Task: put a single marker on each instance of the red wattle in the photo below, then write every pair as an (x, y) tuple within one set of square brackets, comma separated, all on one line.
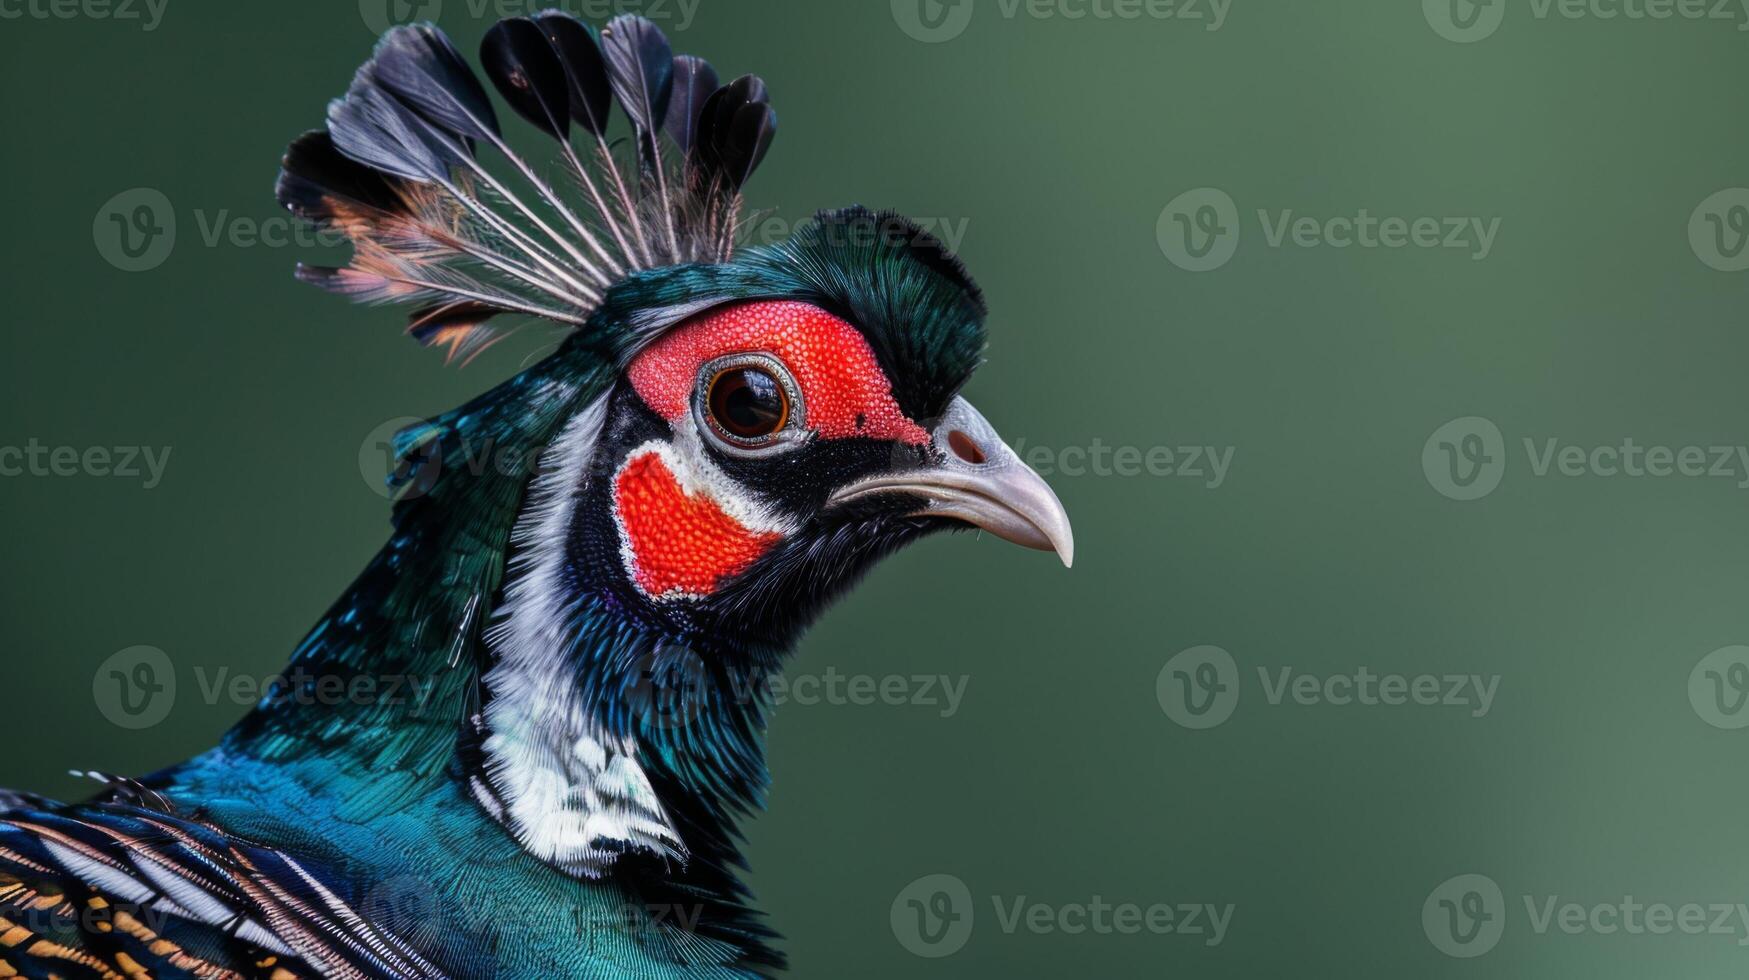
[(679, 542)]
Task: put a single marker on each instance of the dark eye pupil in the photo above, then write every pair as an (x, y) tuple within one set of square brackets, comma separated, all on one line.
[(748, 403)]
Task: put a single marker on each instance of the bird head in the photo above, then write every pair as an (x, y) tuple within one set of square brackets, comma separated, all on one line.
[(780, 422)]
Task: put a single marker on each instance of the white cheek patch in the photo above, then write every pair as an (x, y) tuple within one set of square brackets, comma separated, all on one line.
[(684, 525)]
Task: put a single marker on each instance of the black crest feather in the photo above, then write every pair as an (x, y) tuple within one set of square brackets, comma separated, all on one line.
[(421, 67), (640, 65), (695, 81), (591, 94), (318, 183), (736, 128), (523, 66)]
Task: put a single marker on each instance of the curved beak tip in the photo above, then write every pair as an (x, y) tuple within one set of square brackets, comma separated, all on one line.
[(987, 486)]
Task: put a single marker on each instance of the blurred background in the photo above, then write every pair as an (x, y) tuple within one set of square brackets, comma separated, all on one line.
[(1388, 357)]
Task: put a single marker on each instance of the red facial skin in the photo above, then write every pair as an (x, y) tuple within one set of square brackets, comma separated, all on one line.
[(839, 377), (686, 544)]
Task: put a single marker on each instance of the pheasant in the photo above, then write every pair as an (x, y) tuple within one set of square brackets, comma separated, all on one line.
[(724, 441)]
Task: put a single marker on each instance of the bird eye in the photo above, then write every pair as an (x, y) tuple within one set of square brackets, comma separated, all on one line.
[(747, 403)]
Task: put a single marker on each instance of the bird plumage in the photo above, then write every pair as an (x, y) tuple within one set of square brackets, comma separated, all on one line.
[(593, 567)]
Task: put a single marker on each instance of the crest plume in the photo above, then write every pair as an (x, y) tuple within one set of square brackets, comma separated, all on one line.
[(401, 171)]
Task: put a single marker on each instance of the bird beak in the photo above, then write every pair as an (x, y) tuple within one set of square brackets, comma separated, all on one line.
[(981, 482)]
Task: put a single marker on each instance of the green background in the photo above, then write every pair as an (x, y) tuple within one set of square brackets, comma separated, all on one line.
[(1058, 142)]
